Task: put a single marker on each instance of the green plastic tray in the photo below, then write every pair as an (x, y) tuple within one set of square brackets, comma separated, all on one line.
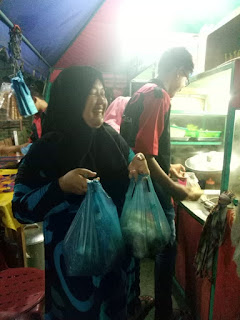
[(209, 134), (192, 133)]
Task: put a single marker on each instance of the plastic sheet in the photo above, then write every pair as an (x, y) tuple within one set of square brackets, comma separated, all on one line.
[(25, 102)]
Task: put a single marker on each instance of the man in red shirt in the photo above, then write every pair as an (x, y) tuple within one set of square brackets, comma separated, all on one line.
[(146, 128)]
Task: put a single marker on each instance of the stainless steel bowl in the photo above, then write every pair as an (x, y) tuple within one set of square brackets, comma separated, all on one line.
[(208, 162)]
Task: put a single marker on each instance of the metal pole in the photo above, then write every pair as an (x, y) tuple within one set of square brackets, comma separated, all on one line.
[(11, 25)]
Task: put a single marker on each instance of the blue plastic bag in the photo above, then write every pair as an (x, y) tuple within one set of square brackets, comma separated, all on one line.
[(93, 243), (25, 102), (144, 225)]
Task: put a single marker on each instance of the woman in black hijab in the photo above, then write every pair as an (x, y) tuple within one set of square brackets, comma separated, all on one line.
[(52, 181)]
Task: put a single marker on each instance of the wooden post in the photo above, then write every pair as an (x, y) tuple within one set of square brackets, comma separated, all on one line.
[(23, 244)]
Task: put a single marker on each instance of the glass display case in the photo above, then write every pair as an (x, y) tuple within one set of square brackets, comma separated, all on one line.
[(231, 167), (205, 121), (209, 108)]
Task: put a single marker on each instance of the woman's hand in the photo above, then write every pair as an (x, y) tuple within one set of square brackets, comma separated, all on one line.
[(138, 166), (177, 171), (75, 181)]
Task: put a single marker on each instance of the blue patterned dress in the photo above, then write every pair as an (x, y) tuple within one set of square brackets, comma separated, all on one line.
[(38, 197)]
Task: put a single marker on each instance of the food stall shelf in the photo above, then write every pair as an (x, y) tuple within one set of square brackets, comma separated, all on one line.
[(200, 143)]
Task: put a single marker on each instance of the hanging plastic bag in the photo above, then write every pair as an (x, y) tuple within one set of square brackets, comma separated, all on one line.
[(5, 90), (25, 102), (93, 243), (144, 225)]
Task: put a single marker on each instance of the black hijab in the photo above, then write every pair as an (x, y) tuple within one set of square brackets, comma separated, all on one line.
[(102, 150), (68, 97)]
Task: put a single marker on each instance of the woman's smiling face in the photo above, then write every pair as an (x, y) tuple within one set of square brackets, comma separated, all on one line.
[(95, 106)]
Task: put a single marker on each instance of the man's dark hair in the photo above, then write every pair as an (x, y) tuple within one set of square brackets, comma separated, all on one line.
[(35, 92), (36, 89), (175, 58), (35, 86)]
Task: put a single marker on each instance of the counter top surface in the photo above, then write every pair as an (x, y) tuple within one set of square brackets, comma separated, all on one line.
[(197, 208)]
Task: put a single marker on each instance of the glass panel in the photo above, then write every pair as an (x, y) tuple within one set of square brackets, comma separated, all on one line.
[(234, 179), (209, 94)]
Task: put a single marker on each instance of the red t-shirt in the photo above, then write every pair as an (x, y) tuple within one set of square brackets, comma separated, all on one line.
[(152, 119), (37, 126), (146, 128), (145, 123)]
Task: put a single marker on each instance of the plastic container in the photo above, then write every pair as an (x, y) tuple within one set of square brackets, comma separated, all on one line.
[(202, 134), (209, 134), (182, 182), (177, 132), (190, 180), (192, 133), (34, 245), (210, 184)]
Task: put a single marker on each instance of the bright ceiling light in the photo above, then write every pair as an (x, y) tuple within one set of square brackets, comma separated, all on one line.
[(142, 25), (145, 29)]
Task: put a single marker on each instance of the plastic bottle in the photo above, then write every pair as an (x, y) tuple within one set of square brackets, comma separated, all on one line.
[(210, 184)]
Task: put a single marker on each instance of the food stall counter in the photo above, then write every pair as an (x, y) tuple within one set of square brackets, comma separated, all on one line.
[(205, 298), (13, 229), (200, 209)]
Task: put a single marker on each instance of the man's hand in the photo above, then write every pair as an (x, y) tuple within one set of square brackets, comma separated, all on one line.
[(194, 193), (176, 190), (75, 181), (180, 193), (177, 171), (6, 150), (138, 166)]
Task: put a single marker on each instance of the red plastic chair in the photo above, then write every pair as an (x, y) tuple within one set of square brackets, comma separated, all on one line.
[(22, 292)]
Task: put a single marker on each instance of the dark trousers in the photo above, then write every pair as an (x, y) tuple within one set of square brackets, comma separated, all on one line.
[(164, 271)]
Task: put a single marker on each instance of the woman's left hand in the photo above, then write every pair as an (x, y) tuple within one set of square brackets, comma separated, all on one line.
[(138, 166)]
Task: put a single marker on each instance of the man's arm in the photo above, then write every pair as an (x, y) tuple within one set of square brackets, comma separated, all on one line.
[(6, 150), (177, 191)]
